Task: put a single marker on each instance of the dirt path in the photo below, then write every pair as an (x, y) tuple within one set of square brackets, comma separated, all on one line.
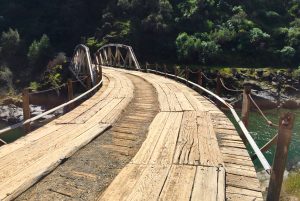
[(88, 172)]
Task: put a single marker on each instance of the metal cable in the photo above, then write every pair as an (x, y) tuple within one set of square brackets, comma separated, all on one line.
[(233, 90), (47, 90), (75, 81), (270, 123), (194, 72), (209, 78)]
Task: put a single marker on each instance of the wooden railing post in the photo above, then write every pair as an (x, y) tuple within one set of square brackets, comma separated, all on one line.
[(246, 105), (146, 67), (219, 84), (26, 109), (199, 78), (70, 93), (286, 123), (175, 72), (156, 67), (186, 74), (88, 82)]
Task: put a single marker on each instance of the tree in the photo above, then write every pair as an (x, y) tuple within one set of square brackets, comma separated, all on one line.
[(287, 53), (39, 54), (10, 42)]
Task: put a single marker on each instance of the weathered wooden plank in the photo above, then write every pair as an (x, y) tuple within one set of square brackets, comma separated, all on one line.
[(155, 129), (179, 183), (239, 181), (187, 149), (165, 147), (206, 186), (210, 153), (150, 183), (13, 186), (122, 185), (241, 191)]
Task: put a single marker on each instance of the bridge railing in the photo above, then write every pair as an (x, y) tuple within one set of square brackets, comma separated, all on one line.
[(281, 139), (69, 104)]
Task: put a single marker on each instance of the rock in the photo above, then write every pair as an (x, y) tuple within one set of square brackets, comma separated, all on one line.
[(260, 73), (253, 84), (11, 113), (14, 114), (291, 104)]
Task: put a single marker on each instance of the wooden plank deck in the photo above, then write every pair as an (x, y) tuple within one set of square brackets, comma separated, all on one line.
[(25, 161), (192, 152)]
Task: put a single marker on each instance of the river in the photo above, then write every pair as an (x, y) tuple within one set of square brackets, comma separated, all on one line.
[(12, 135), (257, 127), (262, 133)]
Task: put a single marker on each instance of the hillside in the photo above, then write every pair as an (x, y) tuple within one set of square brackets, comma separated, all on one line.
[(254, 33)]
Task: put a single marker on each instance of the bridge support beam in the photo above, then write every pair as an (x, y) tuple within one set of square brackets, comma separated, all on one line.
[(286, 123)]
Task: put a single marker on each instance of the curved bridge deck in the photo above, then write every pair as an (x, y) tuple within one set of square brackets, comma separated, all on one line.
[(191, 151)]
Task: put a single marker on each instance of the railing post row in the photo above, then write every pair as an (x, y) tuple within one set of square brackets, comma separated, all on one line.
[(286, 123), (26, 109)]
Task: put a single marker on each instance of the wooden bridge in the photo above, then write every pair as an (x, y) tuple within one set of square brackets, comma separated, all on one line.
[(180, 144)]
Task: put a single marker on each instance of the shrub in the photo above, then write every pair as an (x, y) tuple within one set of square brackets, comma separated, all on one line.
[(39, 53)]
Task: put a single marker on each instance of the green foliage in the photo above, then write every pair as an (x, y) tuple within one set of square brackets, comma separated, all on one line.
[(9, 42), (188, 8), (198, 46), (296, 73), (53, 76), (292, 184), (246, 33), (6, 78), (224, 35), (257, 35), (39, 54), (287, 53), (34, 86)]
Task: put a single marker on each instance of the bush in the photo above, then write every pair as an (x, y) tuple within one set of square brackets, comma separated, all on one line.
[(10, 41), (34, 86), (287, 53), (6, 78), (292, 184), (39, 54)]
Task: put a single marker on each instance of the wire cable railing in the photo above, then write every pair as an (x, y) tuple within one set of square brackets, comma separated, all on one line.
[(28, 121)]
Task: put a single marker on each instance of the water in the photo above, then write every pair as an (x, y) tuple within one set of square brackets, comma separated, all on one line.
[(262, 133), (12, 135)]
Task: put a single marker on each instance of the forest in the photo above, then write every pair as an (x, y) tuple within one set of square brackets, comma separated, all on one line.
[(257, 33)]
